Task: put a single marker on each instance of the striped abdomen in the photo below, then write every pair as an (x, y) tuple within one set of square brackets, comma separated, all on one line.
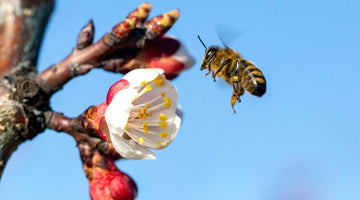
[(252, 79)]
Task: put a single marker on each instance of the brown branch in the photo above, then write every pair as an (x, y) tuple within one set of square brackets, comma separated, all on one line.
[(124, 36), (81, 129), (18, 123), (22, 24)]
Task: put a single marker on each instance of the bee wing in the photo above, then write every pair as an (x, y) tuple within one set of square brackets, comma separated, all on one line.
[(227, 34)]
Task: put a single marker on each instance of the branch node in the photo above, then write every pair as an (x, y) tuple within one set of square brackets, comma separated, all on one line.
[(86, 36), (54, 67), (27, 90)]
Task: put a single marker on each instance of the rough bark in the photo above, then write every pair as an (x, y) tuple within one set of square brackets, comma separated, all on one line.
[(22, 25)]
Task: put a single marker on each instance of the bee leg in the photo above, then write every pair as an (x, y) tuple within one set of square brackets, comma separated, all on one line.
[(225, 63), (208, 72), (237, 91), (213, 76), (234, 98)]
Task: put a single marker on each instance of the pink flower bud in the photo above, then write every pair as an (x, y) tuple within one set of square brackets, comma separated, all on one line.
[(167, 53), (116, 87), (107, 182)]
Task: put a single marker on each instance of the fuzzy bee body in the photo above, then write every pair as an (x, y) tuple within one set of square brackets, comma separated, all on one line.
[(242, 74)]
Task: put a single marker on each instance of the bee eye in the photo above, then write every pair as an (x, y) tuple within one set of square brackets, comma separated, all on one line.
[(210, 53)]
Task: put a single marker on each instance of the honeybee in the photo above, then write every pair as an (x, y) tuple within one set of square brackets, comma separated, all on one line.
[(228, 64)]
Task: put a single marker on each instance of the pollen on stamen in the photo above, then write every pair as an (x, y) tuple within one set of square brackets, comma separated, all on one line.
[(163, 125), (167, 102), (143, 113), (148, 88), (162, 117), (139, 114), (146, 106), (140, 140), (143, 83), (162, 94), (142, 92), (144, 126), (159, 81), (126, 127), (146, 130), (164, 134)]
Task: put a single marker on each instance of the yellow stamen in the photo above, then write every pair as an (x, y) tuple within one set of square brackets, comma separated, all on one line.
[(159, 81), (163, 125), (167, 102), (146, 131), (143, 113), (147, 88), (164, 134), (143, 83), (162, 117), (140, 140), (162, 94), (144, 126), (126, 127)]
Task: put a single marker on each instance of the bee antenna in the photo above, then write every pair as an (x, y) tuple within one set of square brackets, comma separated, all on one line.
[(202, 42)]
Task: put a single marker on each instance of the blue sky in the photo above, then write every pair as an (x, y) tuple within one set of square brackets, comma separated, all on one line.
[(300, 138)]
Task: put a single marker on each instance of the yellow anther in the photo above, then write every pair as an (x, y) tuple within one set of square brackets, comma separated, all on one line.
[(142, 113), (167, 102), (142, 92), (126, 127), (163, 125), (162, 117), (139, 114), (143, 83), (148, 88), (140, 140), (159, 143), (159, 81), (144, 126), (162, 94), (235, 78), (164, 134)]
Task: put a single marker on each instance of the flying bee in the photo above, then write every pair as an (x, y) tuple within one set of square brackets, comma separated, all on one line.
[(230, 66)]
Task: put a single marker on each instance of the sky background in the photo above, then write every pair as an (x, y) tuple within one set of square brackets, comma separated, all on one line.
[(300, 141)]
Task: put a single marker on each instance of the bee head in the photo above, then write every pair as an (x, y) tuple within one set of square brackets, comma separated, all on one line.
[(210, 54)]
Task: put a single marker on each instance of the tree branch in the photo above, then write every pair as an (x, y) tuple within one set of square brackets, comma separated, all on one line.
[(130, 34), (22, 25)]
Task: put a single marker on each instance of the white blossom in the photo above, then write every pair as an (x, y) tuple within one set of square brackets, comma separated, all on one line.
[(143, 115)]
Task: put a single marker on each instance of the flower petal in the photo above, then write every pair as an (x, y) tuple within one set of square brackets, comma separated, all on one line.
[(129, 149), (116, 117), (118, 111)]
